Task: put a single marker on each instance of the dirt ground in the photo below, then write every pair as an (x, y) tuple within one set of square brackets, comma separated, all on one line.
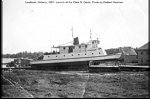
[(49, 84)]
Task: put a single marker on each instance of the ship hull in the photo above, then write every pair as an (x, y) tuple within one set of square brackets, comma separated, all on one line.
[(65, 66), (81, 64)]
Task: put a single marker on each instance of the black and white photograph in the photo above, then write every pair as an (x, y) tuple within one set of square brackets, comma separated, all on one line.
[(75, 49)]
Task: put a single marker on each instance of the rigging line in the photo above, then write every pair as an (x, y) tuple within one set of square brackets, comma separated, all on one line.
[(66, 37), (67, 43)]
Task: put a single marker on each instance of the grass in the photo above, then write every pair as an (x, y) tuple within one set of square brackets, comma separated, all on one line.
[(120, 85), (48, 84)]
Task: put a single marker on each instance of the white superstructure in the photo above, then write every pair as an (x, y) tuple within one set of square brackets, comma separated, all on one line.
[(76, 52)]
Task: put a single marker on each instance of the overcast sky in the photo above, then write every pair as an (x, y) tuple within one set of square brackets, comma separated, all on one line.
[(37, 27)]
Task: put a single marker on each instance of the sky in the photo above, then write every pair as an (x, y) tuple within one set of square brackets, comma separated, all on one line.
[(34, 27)]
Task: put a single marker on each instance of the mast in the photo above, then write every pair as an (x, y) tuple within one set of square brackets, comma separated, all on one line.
[(90, 34), (72, 31)]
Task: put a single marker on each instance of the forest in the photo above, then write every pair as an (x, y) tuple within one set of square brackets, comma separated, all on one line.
[(24, 54)]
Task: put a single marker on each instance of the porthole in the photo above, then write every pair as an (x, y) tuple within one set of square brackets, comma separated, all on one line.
[(92, 53), (56, 56), (99, 53), (48, 56), (64, 55), (72, 54), (85, 53), (78, 54)]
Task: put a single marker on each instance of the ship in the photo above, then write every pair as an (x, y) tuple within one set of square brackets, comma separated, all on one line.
[(77, 56)]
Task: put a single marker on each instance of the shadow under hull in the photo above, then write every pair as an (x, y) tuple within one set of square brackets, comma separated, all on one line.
[(67, 66)]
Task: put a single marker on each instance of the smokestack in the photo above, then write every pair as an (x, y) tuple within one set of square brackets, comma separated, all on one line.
[(76, 41)]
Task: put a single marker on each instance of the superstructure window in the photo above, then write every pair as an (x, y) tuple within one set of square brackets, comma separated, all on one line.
[(141, 53), (85, 46), (64, 48), (79, 46)]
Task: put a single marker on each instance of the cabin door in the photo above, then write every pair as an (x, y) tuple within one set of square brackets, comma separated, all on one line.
[(70, 49)]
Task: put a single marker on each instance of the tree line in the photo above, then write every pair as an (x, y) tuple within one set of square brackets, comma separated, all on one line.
[(24, 54)]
